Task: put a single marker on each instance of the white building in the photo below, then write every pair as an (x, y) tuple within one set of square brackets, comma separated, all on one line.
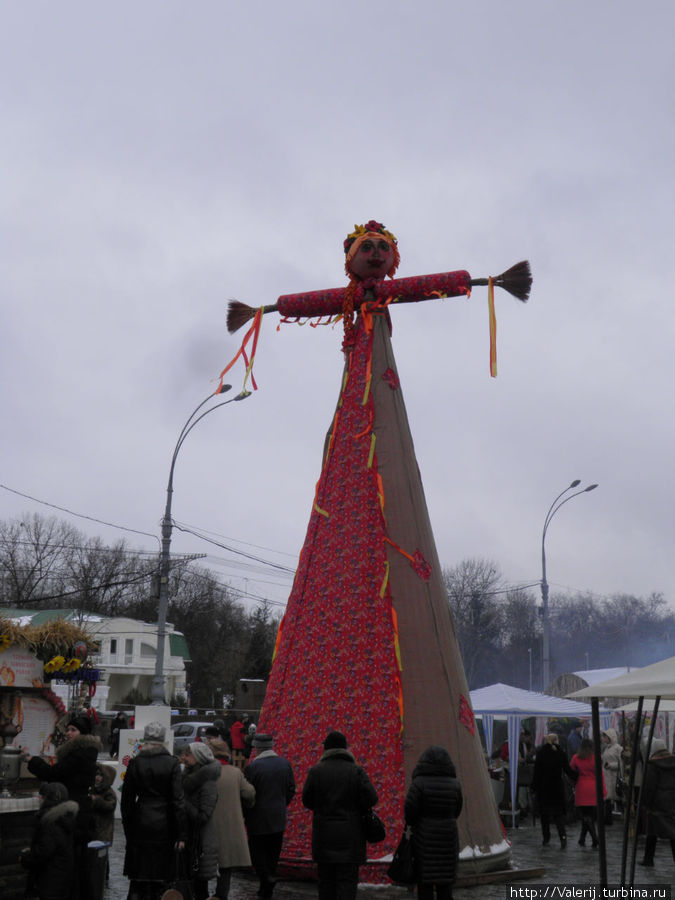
[(128, 650)]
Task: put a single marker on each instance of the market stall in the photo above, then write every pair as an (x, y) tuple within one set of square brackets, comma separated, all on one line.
[(30, 714), (503, 701)]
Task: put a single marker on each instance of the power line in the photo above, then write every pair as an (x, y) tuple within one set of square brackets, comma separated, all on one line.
[(79, 515), (237, 541), (243, 553), (47, 545)]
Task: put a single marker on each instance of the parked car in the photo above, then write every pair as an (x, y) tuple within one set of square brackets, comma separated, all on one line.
[(185, 733)]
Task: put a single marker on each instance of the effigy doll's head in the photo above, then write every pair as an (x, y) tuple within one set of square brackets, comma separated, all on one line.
[(371, 252)]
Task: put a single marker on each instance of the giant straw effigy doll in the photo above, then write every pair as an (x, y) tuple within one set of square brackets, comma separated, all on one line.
[(367, 643)]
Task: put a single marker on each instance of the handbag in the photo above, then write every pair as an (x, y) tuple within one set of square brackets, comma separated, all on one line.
[(373, 827), (619, 786), (402, 867), (180, 886)]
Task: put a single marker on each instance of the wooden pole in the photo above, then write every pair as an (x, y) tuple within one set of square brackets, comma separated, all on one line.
[(599, 793)]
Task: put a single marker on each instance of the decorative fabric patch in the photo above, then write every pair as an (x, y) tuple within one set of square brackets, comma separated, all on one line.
[(466, 716), (391, 378), (421, 566)]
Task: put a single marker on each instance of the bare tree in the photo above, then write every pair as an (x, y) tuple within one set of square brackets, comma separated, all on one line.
[(473, 590), (32, 550)]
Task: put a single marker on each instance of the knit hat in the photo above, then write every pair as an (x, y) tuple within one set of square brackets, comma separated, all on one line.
[(154, 731), (335, 740), (82, 724), (219, 749), (263, 741), (201, 752), (658, 746), (53, 792), (211, 731)]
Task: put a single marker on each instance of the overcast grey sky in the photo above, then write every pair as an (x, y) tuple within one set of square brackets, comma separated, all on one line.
[(158, 158)]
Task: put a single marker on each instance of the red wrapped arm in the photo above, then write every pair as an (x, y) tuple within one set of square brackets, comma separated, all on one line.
[(401, 290)]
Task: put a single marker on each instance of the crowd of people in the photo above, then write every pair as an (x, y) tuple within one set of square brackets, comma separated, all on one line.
[(199, 817), (563, 785)]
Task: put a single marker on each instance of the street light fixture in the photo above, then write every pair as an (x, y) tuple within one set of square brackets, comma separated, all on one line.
[(553, 509), (158, 691)]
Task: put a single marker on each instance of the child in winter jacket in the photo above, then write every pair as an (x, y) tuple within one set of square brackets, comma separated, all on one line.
[(50, 858), (103, 803)]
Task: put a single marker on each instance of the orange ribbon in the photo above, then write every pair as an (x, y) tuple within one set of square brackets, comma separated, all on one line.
[(253, 332)]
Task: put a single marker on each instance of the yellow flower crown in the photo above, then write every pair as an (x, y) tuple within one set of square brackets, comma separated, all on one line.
[(372, 226)]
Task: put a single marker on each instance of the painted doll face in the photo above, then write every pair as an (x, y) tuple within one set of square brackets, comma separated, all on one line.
[(373, 259)]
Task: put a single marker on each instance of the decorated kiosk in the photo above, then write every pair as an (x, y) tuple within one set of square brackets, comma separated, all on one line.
[(30, 713)]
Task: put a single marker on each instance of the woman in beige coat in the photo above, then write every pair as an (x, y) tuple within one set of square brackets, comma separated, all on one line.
[(611, 763), (233, 790)]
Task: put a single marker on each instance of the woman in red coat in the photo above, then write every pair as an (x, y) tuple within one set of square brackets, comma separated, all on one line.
[(583, 763)]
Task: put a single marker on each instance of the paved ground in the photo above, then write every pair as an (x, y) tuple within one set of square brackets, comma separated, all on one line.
[(574, 865)]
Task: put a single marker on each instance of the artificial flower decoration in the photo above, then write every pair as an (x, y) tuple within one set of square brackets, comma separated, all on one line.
[(54, 664), (72, 665)]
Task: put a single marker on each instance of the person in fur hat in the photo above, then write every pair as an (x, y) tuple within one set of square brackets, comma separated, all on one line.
[(50, 859), (200, 776), (75, 765), (75, 768), (153, 815)]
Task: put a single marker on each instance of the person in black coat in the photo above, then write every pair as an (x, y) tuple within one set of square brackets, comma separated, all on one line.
[(75, 768), (153, 815), (272, 777), (118, 724), (432, 805), (549, 787), (50, 858), (338, 792), (658, 798)]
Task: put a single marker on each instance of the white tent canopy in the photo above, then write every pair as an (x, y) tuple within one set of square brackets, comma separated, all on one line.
[(502, 701), (592, 676), (665, 706), (657, 680)]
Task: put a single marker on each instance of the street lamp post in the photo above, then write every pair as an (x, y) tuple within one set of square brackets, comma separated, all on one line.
[(158, 688), (546, 623)]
